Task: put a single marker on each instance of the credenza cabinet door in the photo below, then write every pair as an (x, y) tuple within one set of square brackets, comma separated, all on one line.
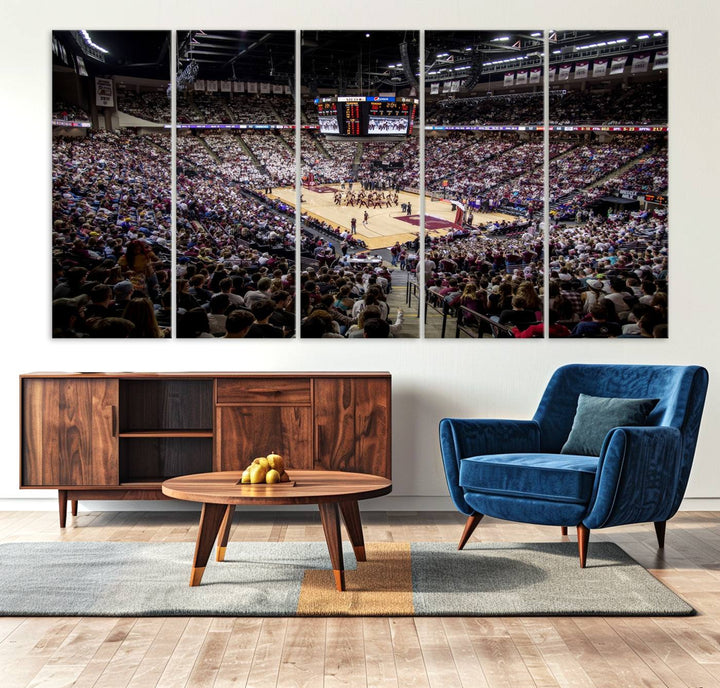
[(352, 425), (246, 432), (69, 432)]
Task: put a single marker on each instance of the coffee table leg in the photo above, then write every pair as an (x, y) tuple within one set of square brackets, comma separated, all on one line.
[(224, 534), (331, 525), (353, 525), (210, 519)]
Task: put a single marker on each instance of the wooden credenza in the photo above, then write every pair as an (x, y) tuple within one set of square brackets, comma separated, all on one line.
[(120, 435)]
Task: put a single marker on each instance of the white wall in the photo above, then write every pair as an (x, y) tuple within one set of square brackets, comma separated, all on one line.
[(431, 379)]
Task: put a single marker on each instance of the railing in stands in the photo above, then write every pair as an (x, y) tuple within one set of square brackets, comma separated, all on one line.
[(412, 291), (495, 328), (437, 303)]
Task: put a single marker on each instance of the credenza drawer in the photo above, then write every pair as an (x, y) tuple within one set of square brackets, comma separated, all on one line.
[(271, 390)]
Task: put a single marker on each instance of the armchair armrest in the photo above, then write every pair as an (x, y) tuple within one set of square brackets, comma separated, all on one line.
[(461, 438), (638, 477)]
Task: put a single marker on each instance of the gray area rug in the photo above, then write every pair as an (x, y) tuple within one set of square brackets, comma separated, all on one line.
[(287, 579)]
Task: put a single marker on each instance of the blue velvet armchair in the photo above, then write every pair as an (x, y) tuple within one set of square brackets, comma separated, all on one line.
[(515, 470)]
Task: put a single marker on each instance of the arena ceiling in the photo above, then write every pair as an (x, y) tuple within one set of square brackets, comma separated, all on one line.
[(342, 60), (244, 55), (128, 53)]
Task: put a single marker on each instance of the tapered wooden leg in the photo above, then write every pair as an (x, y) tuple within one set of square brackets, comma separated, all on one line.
[(470, 525), (563, 530), (583, 535), (351, 515), (224, 534), (73, 507), (330, 517), (210, 519), (660, 532), (62, 506)]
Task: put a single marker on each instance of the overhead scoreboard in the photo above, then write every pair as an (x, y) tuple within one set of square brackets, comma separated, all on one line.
[(366, 115)]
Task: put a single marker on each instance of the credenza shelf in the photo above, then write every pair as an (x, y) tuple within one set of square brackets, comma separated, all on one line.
[(120, 435), (140, 434)]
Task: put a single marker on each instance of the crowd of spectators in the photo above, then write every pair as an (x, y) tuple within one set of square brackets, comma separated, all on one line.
[(634, 103), (69, 113), (111, 235), (236, 275), (503, 171), (608, 277), (234, 108), (153, 106)]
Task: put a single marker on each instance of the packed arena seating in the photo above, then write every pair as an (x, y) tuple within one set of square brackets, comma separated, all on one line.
[(511, 168), (635, 104), (111, 234), (276, 156), (236, 246), (152, 106), (70, 113), (234, 108)]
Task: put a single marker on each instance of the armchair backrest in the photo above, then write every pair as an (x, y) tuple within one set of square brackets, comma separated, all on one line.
[(681, 390)]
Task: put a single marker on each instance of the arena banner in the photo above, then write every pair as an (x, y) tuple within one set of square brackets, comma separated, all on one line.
[(238, 86), (199, 85), (252, 87), (552, 71), (225, 86), (434, 89), (447, 85), (277, 88), (535, 75), (509, 79), (617, 66), (455, 86), (521, 78), (82, 70), (264, 87), (104, 92), (564, 72), (661, 60), (640, 63), (581, 70), (286, 90), (211, 86), (600, 68)]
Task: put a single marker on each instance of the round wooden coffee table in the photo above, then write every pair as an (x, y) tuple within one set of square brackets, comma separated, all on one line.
[(335, 493)]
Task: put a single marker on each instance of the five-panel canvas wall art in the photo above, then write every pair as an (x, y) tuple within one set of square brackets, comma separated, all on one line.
[(360, 184)]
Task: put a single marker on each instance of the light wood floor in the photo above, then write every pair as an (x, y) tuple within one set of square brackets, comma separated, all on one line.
[(383, 228), (373, 652)]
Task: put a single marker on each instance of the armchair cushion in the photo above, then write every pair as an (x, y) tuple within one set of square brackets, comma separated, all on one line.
[(596, 416), (548, 477)]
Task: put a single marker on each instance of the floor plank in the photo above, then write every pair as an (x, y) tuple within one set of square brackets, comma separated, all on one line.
[(376, 652)]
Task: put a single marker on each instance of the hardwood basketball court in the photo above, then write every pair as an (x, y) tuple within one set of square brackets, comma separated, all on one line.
[(384, 226)]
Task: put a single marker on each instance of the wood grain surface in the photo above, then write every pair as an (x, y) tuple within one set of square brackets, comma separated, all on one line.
[(311, 487), (554, 652)]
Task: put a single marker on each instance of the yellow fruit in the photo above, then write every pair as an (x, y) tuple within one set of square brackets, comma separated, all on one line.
[(257, 473), (276, 462), (284, 477), (272, 476), (262, 461), (245, 476)]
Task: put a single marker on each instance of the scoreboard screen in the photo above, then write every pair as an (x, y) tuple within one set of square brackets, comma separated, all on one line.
[(366, 116), (388, 118), (327, 116)]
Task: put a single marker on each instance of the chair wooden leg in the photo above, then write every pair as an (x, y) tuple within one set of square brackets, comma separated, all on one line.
[(563, 530), (470, 525), (583, 535), (660, 532)]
